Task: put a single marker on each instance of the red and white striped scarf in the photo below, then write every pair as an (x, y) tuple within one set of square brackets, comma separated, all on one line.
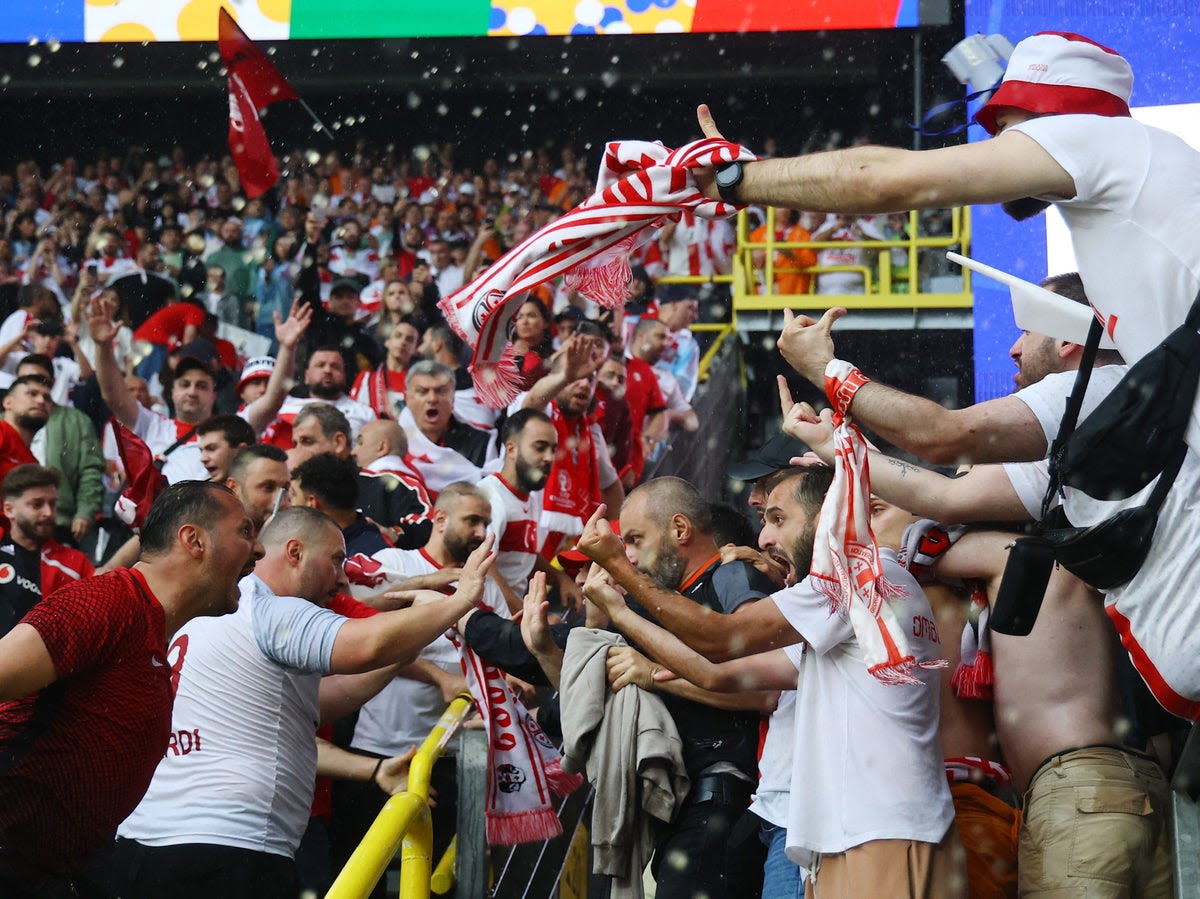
[(846, 564), (639, 184), (524, 765)]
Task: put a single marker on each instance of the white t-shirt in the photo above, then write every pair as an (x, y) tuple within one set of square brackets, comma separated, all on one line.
[(1047, 400), (159, 433), (242, 761), (1132, 222), (401, 715), (867, 761), (772, 797), (1155, 614), (13, 326), (515, 524)]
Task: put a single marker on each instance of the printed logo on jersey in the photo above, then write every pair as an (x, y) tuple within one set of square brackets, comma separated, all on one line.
[(7, 573), (178, 649)]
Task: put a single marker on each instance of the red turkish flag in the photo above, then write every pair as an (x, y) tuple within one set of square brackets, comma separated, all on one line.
[(248, 142), (261, 79)]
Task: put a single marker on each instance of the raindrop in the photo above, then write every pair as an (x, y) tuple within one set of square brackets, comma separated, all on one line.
[(33, 42), (608, 77), (442, 109), (316, 128), (580, 93), (337, 126), (214, 56), (271, 50), (118, 61), (414, 100), (312, 157), (413, 55), (874, 109), (458, 70), (588, 145), (533, 107), (202, 64), (349, 120), (316, 51), (238, 203), (525, 126), (827, 54), (5, 79), (54, 45), (477, 111), (508, 112), (433, 70), (33, 60), (566, 70)]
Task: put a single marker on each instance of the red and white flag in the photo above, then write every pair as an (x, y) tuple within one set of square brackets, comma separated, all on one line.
[(639, 186), (262, 80), (248, 142)]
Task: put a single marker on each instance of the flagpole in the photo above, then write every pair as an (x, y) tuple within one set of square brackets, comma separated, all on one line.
[(320, 124)]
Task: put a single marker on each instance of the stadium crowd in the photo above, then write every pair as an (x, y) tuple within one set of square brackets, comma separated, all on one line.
[(219, 701)]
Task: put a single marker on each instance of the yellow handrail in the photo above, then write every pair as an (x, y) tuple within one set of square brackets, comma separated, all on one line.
[(405, 818), (880, 287)]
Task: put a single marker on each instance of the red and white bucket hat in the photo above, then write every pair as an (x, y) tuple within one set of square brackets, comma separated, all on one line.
[(1064, 73)]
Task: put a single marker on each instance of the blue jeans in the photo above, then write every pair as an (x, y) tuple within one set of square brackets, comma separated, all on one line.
[(781, 876)]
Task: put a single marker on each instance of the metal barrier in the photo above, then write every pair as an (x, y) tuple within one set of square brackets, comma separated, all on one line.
[(404, 820), (752, 286)]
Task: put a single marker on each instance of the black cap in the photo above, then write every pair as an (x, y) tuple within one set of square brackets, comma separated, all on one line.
[(777, 453)]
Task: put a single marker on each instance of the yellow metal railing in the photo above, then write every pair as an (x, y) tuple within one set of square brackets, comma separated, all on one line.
[(884, 286), (404, 821)]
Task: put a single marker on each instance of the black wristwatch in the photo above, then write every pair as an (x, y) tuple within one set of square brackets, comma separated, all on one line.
[(728, 178)]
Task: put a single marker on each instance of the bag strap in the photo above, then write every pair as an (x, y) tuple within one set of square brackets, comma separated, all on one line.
[(1074, 403), (180, 442)]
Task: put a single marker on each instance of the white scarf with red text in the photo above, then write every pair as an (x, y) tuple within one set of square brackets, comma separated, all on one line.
[(846, 565), (640, 183), (524, 765)]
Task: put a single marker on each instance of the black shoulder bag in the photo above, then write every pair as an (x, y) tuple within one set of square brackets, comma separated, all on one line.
[(1133, 436)]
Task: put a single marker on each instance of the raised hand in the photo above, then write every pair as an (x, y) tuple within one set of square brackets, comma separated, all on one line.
[(807, 344), (535, 627), (598, 542), (600, 590), (99, 314), (802, 422), (288, 332), (474, 573)]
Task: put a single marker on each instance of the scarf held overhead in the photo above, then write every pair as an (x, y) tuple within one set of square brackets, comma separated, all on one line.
[(640, 183), (846, 565)]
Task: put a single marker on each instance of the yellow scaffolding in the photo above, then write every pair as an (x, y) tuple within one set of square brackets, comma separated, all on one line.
[(404, 820)]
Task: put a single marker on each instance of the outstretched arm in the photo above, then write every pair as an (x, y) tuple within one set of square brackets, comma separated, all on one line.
[(628, 667), (263, 410), (397, 637), (1000, 430), (983, 494), (116, 395), (761, 671), (753, 627), (872, 179)]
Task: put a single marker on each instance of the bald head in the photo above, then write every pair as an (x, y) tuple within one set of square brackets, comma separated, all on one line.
[(377, 439), (662, 498), (296, 523)]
